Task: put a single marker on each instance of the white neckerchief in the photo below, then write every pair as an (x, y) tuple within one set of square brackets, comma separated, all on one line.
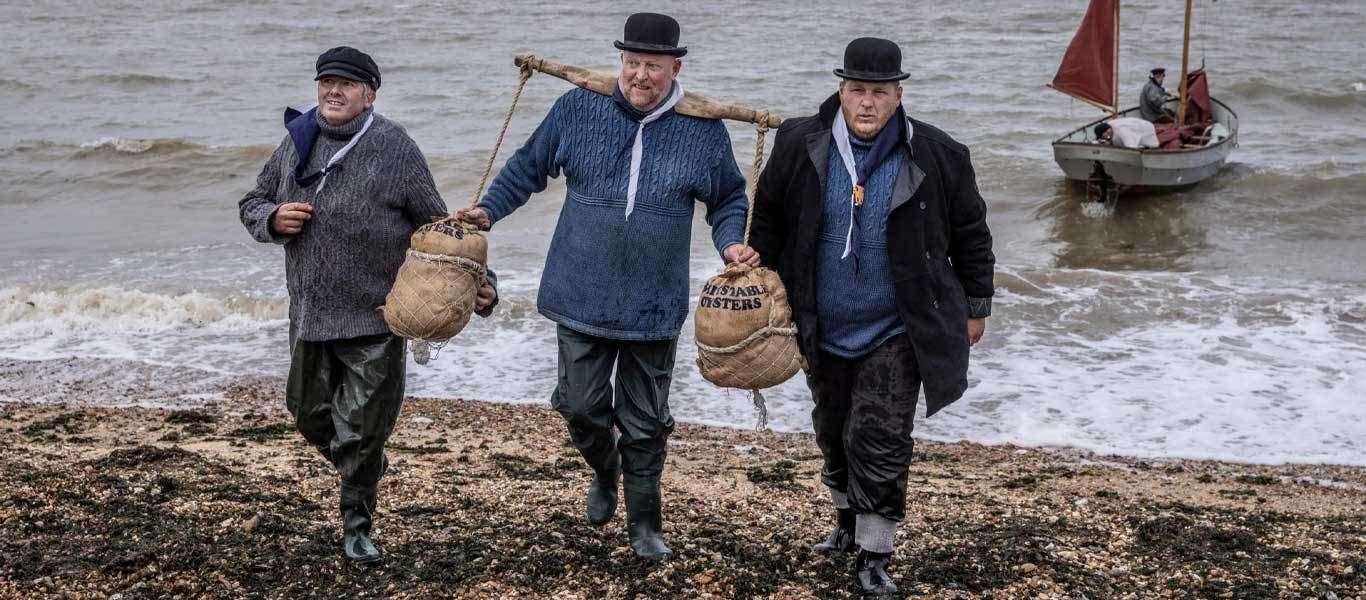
[(638, 148), (336, 158), (841, 133)]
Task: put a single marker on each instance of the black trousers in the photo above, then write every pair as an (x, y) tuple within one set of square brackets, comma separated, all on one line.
[(636, 406), (345, 397), (864, 414)]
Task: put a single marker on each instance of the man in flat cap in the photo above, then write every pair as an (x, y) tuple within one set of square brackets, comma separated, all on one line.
[(1153, 96), (342, 193), (874, 222), (616, 277)]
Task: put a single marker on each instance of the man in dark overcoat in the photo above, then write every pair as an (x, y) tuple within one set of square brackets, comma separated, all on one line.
[(874, 222)]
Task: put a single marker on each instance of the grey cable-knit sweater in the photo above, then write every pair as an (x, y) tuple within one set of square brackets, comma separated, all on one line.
[(343, 263)]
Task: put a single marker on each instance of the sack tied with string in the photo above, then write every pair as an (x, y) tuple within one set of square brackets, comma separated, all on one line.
[(745, 335), (433, 296)]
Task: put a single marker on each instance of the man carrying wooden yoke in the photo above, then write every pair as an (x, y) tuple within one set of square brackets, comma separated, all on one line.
[(616, 277), (874, 223)]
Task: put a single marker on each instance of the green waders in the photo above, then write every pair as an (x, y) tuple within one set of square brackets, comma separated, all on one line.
[(345, 397), (637, 408)]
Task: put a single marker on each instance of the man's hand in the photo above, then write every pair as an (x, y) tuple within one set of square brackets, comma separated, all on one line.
[(976, 327), (289, 219), (484, 297), (475, 216), (739, 253)]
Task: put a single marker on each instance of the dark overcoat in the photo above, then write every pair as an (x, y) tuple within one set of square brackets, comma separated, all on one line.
[(937, 240)]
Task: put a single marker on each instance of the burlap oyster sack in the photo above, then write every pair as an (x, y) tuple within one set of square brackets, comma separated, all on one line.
[(433, 296), (745, 335)]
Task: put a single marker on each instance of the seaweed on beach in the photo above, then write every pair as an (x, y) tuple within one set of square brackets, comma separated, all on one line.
[(506, 520)]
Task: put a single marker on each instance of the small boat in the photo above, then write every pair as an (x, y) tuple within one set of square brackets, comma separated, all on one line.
[(1090, 72)]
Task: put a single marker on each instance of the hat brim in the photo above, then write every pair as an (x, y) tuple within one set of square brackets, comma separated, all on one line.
[(343, 73), (866, 76), (674, 51)]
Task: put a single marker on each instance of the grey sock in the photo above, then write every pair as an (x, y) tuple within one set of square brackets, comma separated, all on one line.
[(875, 533)]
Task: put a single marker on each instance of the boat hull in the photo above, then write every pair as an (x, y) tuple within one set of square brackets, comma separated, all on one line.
[(1082, 159)]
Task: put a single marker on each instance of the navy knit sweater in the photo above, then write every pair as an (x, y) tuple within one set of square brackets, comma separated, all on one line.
[(606, 275), (857, 310)]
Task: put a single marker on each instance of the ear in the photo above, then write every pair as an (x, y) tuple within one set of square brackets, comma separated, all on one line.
[(678, 66)]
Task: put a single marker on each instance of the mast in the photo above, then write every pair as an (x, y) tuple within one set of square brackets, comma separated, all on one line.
[(1185, 63), (1114, 105)]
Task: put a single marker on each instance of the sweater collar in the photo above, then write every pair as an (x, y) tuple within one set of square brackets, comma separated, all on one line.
[(345, 130)]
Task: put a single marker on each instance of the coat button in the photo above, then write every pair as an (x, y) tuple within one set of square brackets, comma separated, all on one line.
[(936, 304), (927, 255), (922, 205)]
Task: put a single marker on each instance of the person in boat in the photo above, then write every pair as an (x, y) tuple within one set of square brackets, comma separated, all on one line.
[(1153, 96), (890, 284), (342, 194), (1127, 132), (616, 276)]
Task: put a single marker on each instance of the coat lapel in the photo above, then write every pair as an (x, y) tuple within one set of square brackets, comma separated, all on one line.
[(910, 177), (818, 148)]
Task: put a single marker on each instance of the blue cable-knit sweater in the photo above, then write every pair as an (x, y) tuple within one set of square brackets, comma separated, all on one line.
[(856, 310), (606, 275)]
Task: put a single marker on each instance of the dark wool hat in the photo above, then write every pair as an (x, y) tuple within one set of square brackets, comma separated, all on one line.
[(1158, 71), (872, 59), (348, 62), (651, 33)]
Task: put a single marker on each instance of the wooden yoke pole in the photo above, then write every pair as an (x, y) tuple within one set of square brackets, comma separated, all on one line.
[(694, 105), (1185, 62)]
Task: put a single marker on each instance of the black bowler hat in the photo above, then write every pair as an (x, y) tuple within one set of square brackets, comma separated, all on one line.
[(651, 33), (348, 62), (872, 59), (1158, 71)]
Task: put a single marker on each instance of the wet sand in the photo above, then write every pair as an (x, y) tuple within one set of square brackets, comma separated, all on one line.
[(485, 501)]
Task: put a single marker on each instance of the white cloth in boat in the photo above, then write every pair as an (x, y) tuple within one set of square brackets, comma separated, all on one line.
[(1130, 132)]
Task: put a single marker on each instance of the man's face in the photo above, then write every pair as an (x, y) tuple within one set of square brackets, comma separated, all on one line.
[(646, 78), (341, 99), (1108, 136), (868, 105), (1159, 77)]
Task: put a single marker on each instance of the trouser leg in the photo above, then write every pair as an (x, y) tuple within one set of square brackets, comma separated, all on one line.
[(830, 390), (366, 406), (885, 388), (315, 375), (583, 395), (644, 374)]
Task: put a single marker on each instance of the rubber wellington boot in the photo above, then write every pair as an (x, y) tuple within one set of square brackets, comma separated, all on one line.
[(841, 539), (602, 492), (358, 509), (870, 571), (644, 519)]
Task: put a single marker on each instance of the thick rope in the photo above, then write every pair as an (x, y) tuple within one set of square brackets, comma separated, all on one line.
[(753, 337), (761, 132), (469, 265), (526, 71)]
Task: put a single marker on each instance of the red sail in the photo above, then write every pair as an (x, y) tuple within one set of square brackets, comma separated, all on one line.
[(1087, 71)]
